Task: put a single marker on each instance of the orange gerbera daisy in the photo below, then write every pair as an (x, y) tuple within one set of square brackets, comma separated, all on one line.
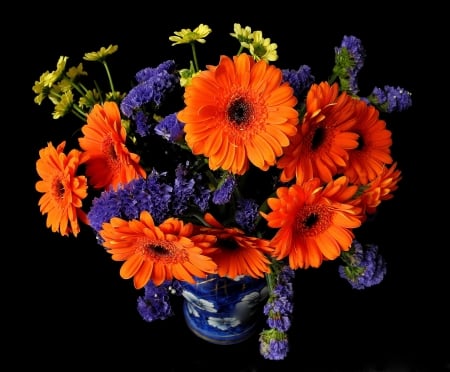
[(108, 161), (381, 188), (321, 144), (157, 253), (236, 253), (314, 222), (239, 112), (63, 190), (368, 159)]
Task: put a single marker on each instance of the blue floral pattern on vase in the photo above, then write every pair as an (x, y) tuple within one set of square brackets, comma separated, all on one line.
[(222, 310)]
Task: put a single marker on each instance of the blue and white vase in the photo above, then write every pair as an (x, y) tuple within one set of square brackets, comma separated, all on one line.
[(222, 310)]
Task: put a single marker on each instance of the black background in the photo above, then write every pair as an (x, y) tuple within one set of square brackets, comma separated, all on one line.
[(76, 311)]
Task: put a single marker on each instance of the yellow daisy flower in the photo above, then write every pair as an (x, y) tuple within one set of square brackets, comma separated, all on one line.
[(46, 81), (74, 72), (64, 105), (244, 35), (262, 49), (101, 54), (187, 36)]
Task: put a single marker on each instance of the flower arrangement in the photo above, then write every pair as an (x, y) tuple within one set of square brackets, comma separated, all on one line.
[(238, 169)]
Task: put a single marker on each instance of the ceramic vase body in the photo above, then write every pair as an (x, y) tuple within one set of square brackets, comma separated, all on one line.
[(222, 310)]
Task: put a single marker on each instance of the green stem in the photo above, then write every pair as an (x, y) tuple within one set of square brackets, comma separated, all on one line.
[(79, 113), (194, 56), (111, 84), (80, 88), (332, 78)]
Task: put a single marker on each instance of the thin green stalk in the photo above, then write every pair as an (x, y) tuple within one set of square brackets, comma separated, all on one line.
[(194, 56), (111, 84)]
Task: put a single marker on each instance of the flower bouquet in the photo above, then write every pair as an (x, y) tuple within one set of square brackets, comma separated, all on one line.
[(235, 169)]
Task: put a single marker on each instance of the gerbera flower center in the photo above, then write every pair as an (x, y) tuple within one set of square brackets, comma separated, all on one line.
[(158, 249), (58, 188), (240, 112), (360, 142), (109, 149), (312, 220), (165, 251), (227, 244), (318, 138)]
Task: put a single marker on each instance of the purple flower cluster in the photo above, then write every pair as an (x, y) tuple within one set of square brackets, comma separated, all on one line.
[(390, 99), (155, 303), (155, 194), (363, 266), (279, 308), (152, 194), (190, 189), (247, 211), (351, 50), (299, 80), (154, 85), (223, 193), (170, 128)]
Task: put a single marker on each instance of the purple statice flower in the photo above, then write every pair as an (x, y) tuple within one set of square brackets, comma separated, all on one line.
[(154, 84), (299, 80), (150, 73), (355, 49), (189, 189), (273, 345), (276, 320), (349, 59), (108, 205), (224, 192), (170, 128), (279, 309), (155, 303), (141, 122), (363, 266), (246, 214), (390, 99), (151, 194)]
